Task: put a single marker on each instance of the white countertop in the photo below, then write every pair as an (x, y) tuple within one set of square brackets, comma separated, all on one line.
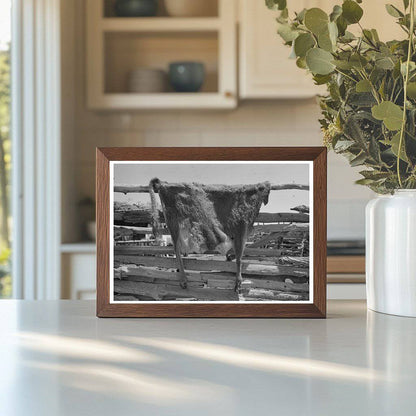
[(57, 359)]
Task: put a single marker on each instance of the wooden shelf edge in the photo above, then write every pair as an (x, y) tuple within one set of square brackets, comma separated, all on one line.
[(346, 264), (159, 24), (80, 247), (130, 101), (345, 278)]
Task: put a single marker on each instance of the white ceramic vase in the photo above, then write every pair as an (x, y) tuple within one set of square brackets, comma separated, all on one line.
[(391, 253)]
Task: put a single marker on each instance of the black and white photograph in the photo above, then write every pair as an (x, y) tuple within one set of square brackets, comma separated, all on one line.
[(187, 231)]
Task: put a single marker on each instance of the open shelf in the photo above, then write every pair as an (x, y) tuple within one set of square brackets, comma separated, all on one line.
[(80, 247), (108, 9), (116, 46), (127, 51)]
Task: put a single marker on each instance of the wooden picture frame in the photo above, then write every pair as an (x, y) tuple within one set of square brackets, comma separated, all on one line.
[(315, 307)]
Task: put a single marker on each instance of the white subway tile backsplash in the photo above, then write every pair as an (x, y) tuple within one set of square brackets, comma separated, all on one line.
[(173, 138), (149, 120)]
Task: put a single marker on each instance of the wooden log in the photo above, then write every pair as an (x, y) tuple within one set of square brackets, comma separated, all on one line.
[(301, 208), (171, 292), (262, 269), (128, 189), (281, 228), (160, 250), (171, 263), (266, 239), (267, 217), (121, 298), (290, 186), (162, 281), (131, 189), (134, 217), (248, 284), (274, 285), (142, 230), (151, 273), (140, 251), (146, 274), (266, 294), (295, 261), (210, 265)]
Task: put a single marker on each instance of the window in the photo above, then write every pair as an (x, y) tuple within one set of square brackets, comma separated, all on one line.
[(5, 145)]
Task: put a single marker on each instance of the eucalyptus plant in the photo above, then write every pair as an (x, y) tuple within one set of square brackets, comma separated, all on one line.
[(369, 112)]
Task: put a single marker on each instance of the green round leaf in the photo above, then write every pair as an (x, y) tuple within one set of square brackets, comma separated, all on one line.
[(301, 15), (342, 25), (327, 40), (333, 32), (336, 12), (316, 20), (321, 79), (363, 86), (411, 90), (351, 11), (276, 4), (303, 43), (385, 63), (391, 114), (358, 61), (324, 42), (393, 11), (342, 64), (301, 63), (286, 32), (319, 61)]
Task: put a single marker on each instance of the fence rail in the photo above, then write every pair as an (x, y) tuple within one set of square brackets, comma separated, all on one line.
[(128, 189), (264, 282), (141, 216)]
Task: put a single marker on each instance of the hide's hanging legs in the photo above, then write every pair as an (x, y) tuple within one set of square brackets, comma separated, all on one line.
[(184, 279), (239, 244)]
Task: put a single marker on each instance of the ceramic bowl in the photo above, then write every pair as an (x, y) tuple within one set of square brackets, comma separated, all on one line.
[(147, 80), (186, 76)]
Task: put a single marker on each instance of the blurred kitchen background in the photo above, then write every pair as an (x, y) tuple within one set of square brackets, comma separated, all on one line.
[(119, 88)]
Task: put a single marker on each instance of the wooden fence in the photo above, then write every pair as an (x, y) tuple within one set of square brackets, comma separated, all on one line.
[(275, 263)]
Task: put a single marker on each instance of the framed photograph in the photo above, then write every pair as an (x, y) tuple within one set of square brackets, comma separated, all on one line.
[(211, 232)]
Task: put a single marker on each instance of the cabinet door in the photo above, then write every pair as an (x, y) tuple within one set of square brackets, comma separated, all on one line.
[(265, 68), (78, 276)]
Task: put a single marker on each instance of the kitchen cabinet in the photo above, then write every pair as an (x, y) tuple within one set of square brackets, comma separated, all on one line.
[(78, 263), (116, 46), (265, 70)]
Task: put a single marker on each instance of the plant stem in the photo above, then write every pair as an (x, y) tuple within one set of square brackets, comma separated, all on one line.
[(406, 80), (345, 75), (373, 89)]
